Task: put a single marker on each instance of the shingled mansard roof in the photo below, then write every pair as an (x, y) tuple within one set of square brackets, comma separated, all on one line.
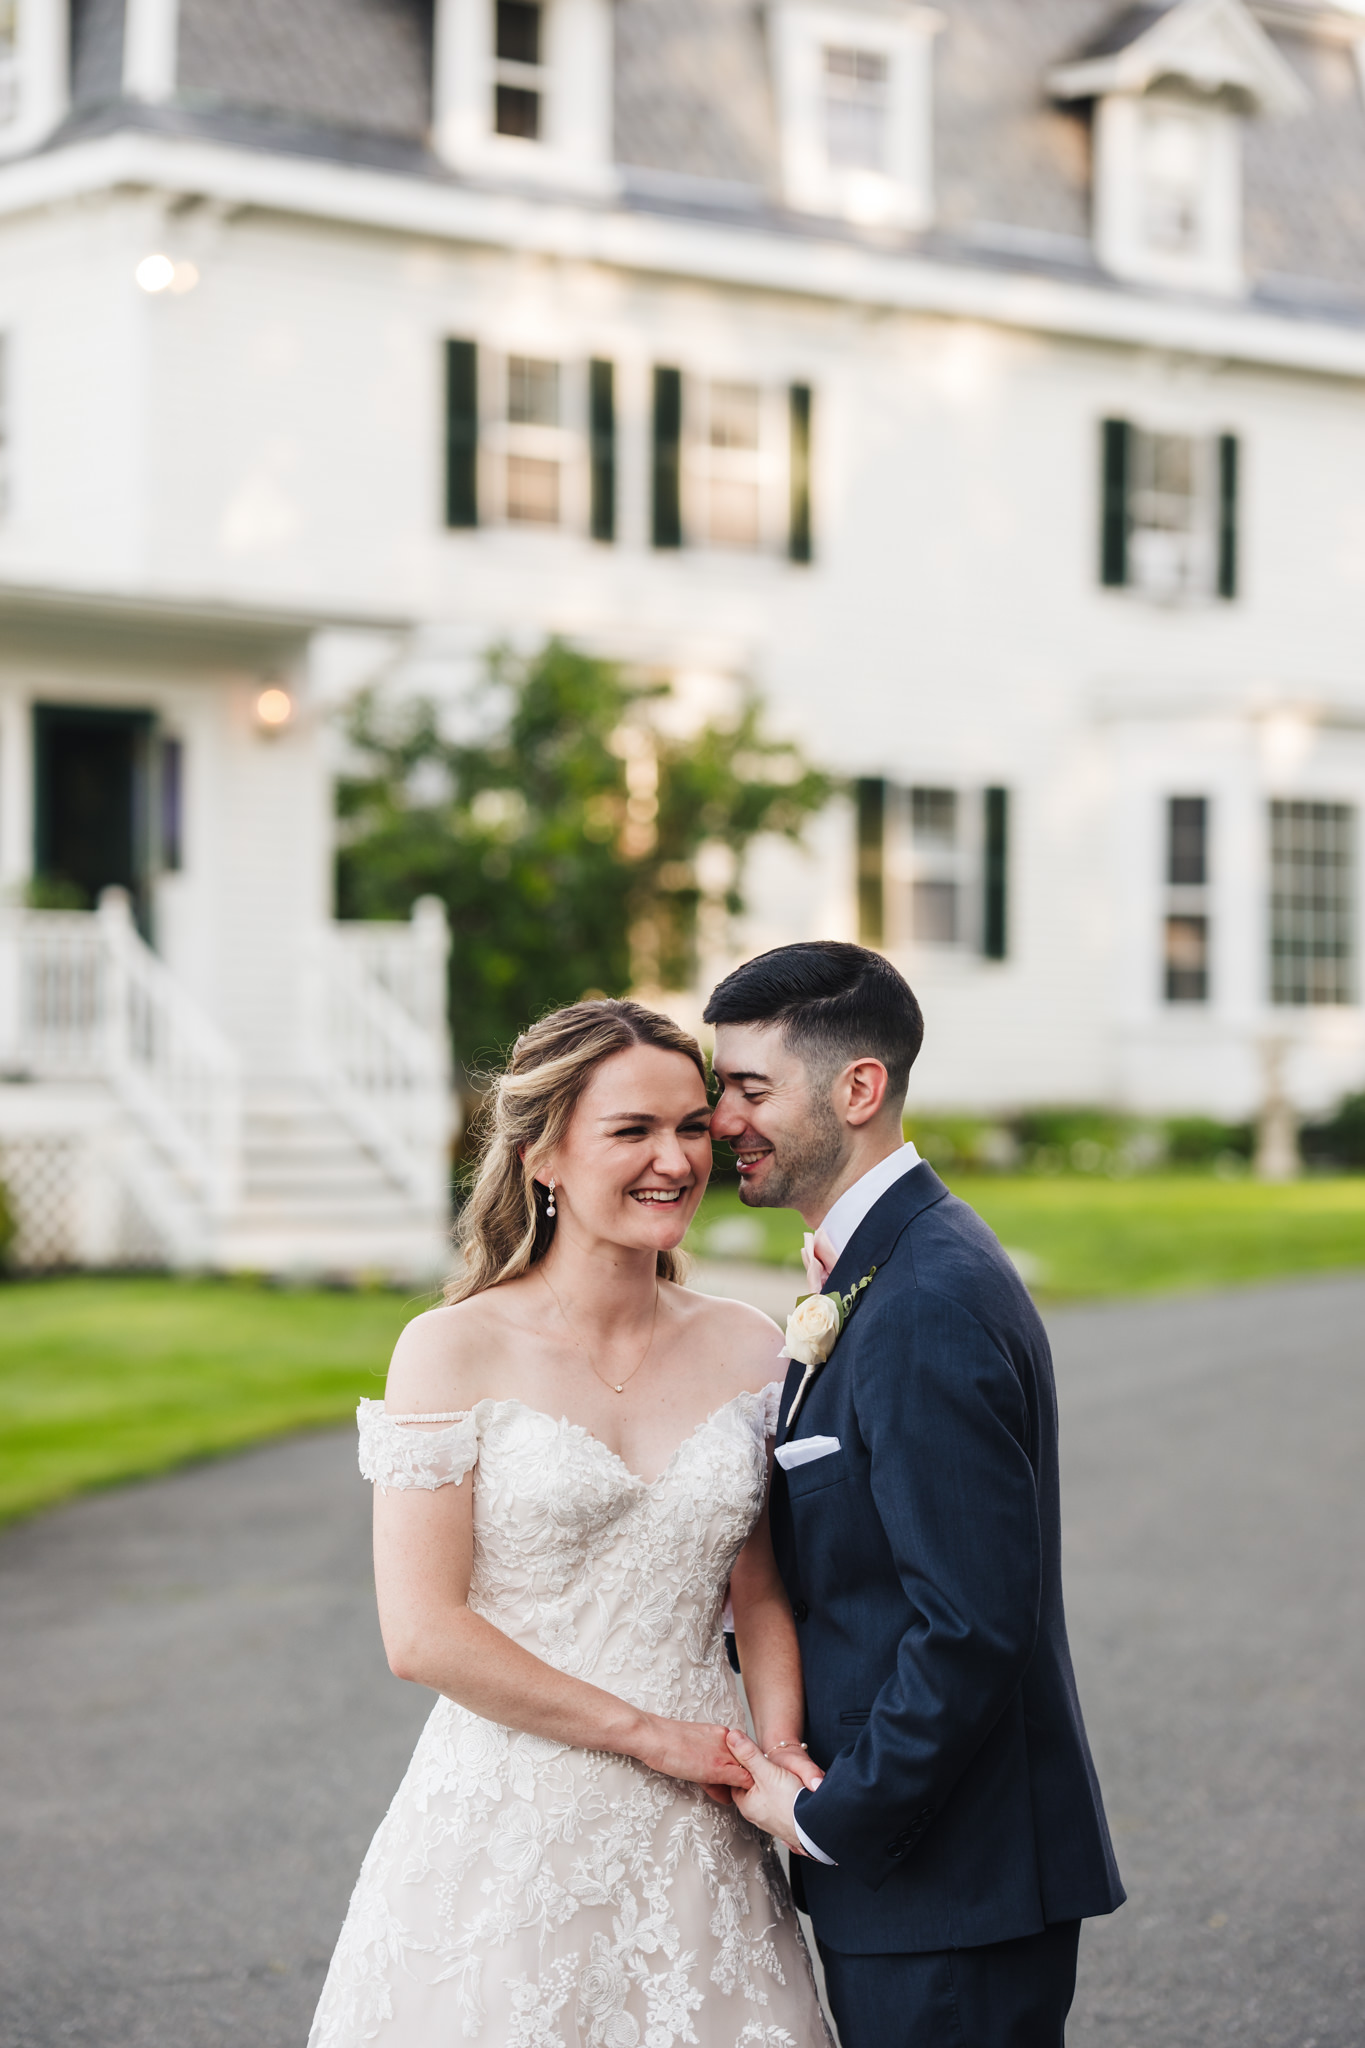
[(696, 126)]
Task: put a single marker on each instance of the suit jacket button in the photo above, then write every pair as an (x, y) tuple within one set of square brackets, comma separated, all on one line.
[(800, 1610)]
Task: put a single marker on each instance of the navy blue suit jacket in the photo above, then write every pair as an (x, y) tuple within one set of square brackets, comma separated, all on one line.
[(923, 1563)]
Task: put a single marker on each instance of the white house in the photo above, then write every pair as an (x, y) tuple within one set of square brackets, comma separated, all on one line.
[(985, 380)]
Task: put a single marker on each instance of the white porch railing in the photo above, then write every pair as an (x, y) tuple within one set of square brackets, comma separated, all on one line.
[(377, 1040), (83, 998)]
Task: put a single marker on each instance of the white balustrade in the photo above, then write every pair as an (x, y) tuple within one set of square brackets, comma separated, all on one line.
[(378, 1043), (82, 997)]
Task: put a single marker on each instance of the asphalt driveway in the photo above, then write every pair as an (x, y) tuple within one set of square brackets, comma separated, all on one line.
[(200, 1733)]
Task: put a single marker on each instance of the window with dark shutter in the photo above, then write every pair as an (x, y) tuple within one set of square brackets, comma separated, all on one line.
[(462, 434), (871, 799), (1115, 444), (1227, 515), (602, 449), (1188, 928), (995, 875), (666, 522), (799, 544)]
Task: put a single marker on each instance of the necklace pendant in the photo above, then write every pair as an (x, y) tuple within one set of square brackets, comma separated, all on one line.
[(621, 1390)]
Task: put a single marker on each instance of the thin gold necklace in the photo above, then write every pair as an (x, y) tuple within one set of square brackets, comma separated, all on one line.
[(617, 1386)]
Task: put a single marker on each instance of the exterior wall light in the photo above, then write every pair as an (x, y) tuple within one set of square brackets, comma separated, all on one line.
[(274, 708), (157, 273)]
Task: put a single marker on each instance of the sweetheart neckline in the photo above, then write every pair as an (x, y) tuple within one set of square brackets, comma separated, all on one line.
[(563, 1423)]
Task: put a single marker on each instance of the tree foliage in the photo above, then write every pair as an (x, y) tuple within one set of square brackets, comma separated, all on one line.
[(565, 836)]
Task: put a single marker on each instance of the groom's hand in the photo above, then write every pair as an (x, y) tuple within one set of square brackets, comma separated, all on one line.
[(770, 1802)]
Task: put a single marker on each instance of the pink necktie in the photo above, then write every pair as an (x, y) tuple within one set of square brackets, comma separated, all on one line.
[(819, 1258)]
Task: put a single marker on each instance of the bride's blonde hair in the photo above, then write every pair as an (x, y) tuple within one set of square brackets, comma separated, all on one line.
[(504, 1228)]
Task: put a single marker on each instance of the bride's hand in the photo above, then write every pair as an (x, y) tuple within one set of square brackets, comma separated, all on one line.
[(793, 1757), (696, 1751)]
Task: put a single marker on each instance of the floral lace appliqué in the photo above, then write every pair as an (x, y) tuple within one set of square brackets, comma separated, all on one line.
[(523, 1894)]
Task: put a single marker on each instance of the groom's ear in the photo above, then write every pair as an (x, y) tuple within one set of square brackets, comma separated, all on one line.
[(860, 1092)]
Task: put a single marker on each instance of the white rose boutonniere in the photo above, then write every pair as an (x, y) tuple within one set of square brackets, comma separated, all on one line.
[(813, 1329)]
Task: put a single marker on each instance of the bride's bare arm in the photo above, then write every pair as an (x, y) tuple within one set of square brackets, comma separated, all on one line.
[(423, 1553), (770, 1660)]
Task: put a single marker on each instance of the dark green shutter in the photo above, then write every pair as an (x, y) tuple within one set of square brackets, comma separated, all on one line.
[(871, 859), (462, 434), (1227, 515), (995, 878), (1116, 443), (799, 538), (602, 435), (666, 524)]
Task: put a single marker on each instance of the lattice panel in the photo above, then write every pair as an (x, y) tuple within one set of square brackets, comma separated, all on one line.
[(42, 1178)]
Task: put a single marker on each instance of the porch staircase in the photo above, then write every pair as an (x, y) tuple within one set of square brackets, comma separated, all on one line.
[(130, 1135), (315, 1200)]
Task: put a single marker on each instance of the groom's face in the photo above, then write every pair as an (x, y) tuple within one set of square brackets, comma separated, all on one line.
[(776, 1117)]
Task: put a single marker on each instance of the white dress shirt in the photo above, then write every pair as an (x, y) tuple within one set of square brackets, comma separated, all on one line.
[(839, 1226)]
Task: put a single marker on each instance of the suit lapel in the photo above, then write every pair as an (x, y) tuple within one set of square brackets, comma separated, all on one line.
[(871, 1244)]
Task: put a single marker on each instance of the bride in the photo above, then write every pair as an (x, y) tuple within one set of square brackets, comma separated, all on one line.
[(570, 1468)]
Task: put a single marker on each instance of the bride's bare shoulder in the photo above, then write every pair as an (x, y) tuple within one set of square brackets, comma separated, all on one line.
[(743, 1337), (446, 1358)]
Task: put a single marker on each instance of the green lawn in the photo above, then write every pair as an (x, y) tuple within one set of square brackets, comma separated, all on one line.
[(108, 1379), (1085, 1236)]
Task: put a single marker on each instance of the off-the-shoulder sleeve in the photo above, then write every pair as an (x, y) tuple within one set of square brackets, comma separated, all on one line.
[(771, 1406), (405, 1457)]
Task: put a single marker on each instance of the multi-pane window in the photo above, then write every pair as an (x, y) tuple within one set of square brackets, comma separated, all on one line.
[(728, 471), (857, 85), (530, 441), (534, 452), (518, 69), (1169, 512), (933, 867), (1174, 168), (731, 465), (1187, 909), (1312, 902), (936, 884)]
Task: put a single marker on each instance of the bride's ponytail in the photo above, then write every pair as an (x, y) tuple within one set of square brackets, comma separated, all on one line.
[(504, 1227)]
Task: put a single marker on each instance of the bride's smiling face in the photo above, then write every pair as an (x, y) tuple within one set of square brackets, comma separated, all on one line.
[(636, 1157)]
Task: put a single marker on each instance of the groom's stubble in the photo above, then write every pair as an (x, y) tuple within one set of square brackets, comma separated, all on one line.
[(806, 1160)]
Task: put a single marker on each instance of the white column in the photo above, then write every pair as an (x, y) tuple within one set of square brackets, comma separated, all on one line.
[(16, 792), (150, 29), (41, 69)]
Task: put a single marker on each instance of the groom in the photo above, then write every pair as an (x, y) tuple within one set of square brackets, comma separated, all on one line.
[(957, 1839)]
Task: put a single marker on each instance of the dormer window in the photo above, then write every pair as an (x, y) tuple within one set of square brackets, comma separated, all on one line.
[(33, 72), (1174, 170), (854, 102), (522, 90), (1171, 89), (518, 73), (857, 104)]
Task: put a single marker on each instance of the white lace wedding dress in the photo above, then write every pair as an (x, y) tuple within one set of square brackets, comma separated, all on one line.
[(528, 1895)]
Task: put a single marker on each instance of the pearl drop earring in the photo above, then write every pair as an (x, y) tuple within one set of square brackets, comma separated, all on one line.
[(550, 1206)]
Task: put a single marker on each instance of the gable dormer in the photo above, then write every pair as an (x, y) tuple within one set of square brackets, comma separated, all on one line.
[(33, 72), (1172, 87)]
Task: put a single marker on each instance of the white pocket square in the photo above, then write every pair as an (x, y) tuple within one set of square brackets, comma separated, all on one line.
[(805, 1451)]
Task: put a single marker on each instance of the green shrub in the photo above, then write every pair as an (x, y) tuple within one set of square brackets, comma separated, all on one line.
[(8, 1226), (1202, 1140), (1340, 1141)]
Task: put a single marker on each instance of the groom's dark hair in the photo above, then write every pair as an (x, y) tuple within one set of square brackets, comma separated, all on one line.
[(834, 1003)]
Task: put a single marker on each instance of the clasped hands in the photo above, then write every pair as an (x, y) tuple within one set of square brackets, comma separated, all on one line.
[(729, 1767)]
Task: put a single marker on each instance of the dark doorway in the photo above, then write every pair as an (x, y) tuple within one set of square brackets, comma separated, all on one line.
[(92, 815)]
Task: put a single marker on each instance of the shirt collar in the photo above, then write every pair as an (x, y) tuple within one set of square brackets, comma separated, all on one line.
[(854, 1203)]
